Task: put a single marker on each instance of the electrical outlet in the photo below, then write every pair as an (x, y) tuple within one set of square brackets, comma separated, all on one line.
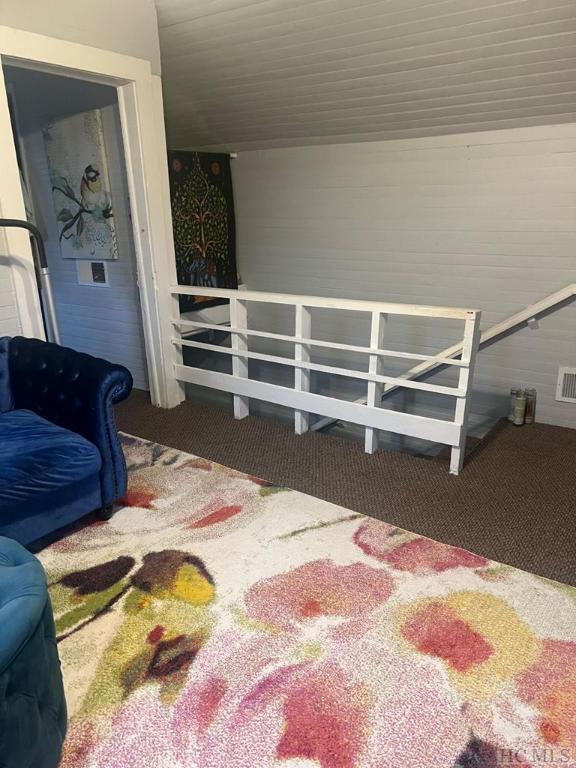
[(92, 273)]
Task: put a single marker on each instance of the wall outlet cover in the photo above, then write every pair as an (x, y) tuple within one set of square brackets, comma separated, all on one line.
[(92, 273), (98, 272)]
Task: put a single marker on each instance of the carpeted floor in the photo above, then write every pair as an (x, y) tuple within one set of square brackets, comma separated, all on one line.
[(515, 501), (218, 621)]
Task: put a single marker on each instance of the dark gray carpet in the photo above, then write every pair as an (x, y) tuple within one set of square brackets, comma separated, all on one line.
[(515, 501)]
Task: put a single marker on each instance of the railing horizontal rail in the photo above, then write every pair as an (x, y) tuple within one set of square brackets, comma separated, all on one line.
[(319, 302), (406, 423), (334, 370), (370, 414), (511, 324), (319, 343)]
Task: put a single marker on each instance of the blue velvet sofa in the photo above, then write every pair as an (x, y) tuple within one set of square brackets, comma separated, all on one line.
[(60, 456), (32, 703)]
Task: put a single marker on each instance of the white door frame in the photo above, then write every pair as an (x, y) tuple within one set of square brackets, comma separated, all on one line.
[(142, 118)]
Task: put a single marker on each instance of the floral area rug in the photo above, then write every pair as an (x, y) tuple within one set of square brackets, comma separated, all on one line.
[(218, 621)]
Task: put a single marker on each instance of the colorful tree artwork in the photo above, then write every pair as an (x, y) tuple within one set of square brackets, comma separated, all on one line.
[(203, 223)]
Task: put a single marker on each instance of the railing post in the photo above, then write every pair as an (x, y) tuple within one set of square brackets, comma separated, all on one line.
[(175, 390), (239, 320), (303, 329), (374, 396), (469, 351)]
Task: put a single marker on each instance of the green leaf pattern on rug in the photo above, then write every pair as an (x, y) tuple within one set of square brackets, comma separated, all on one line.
[(165, 604), (81, 596)]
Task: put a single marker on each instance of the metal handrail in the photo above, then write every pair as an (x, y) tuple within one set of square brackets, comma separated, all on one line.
[(42, 274)]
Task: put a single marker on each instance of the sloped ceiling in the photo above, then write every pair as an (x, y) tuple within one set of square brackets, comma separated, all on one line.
[(245, 74)]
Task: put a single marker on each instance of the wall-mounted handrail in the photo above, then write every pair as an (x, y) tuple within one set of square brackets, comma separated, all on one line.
[(300, 398), (511, 323)]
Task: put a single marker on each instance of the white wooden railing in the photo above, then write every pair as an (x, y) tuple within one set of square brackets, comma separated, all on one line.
[(368, 414), (527, 316)]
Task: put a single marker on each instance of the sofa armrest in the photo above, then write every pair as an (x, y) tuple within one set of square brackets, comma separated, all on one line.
[(77, 392)]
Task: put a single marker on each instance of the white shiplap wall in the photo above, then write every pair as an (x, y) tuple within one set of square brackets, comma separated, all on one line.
[(485, 220), (9, 321), (102, 321)]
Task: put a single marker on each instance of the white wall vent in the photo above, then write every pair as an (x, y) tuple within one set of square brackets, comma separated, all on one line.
[(566, 387)]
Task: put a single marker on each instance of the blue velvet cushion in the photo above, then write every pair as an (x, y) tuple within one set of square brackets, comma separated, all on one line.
[(32, 704), (40, 465), (6, 398)]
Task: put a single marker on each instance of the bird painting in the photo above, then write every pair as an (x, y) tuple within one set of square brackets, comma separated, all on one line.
[(81, 189), (92, 196)]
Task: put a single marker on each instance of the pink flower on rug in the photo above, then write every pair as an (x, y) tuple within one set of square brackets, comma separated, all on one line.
[(209, 697), (437, 630), (249, 702), (224, 511), (319, 588), (215, 513), (230, 712), (81, 739), (325, 718), (140, 736), (417, 723), (330, 711), (550, 685), (406, 552), (138, 497)]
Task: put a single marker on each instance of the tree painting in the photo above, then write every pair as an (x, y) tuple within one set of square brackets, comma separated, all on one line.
[(203, 221)]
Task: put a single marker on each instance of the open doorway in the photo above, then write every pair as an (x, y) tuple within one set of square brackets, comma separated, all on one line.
[(83, 211), (139, 95)]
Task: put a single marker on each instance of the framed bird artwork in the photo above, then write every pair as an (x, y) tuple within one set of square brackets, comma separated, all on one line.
[(76, 153)]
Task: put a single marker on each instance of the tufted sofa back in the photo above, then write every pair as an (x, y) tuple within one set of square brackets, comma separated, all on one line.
[(69, 379), (77, 392), (32, 704)]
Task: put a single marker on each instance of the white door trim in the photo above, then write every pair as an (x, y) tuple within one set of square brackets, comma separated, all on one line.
[(141, 115)]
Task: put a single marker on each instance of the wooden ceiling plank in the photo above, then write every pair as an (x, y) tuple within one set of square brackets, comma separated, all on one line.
[(248, 73), (533, 83), (184, 141), (528, 51), (299, 39), (401, 48), (444, 104), (402, 118), (404, 81), (271, 13)]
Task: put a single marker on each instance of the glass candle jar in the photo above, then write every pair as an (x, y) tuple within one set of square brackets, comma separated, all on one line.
[(513, 394), (519, 408), (530, 406)]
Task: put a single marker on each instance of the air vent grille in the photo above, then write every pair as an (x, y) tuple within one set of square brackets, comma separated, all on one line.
[(566, 387)]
